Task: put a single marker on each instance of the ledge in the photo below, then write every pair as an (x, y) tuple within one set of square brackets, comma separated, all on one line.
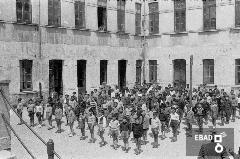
[(25, 92), (102, 31), (5, 82), (176, 33), (122, 33), (81, 29), (210, 30)]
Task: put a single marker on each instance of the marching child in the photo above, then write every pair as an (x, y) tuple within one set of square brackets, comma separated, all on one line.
[(155, 128), (125, 129), (102, 122), (81, 120), (114, 126), (71, 118)]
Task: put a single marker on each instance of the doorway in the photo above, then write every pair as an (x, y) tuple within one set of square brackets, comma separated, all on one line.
[(81, 76), (55, 76), (122, 65), (179, 77), (103, 71)]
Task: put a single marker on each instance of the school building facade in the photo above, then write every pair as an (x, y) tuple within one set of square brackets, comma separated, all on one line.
[(75, 45)]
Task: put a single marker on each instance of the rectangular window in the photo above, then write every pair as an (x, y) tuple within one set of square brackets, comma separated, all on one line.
[(26, 75), (237, 71), (138, 71), (180, 15), (138, 18), (208, 71), (152, 71), (79, 14), (121, 15), (54, 12), (24, 11), (209, 14), (237, 13), (153, 18), (102, 15), (103, 71)]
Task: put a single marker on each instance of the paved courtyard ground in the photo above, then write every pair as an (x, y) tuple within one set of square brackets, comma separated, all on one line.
[(74, 148)]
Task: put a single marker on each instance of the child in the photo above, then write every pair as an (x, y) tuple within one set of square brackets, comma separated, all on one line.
[(101, 127), (125, 129), (189, 120), (91, 122), (214, 113), (234, 107), (81, 120), (137, 134), (20, 110), (31, 110), (49, 115), (145, 126), (155, 128), (39, 112), (174, 121), (163, 119), (71, 118), (114, 125), (58, 118)]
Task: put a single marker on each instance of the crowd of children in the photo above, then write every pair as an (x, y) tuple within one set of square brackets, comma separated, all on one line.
[(135, 111)]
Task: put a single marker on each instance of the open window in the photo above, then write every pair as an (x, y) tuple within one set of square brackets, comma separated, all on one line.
[(26, 75), (24, 11), (102, 15)]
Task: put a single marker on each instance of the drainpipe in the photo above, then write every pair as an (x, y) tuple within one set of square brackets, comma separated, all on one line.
[(144, 43)]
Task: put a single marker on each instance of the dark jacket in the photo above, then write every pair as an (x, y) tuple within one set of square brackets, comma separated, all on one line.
[(137, 130), (125, 127)]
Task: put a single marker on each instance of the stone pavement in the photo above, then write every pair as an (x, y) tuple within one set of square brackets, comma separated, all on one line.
[(74, 148)]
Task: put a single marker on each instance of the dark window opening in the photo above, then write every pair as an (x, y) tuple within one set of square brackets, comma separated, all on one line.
[(122, 66), (237, 71), (152, 71), (180, 15), (79, 14), (81, 75), (138, 71), (102, 15), (55, 76), (103, 71), (26, 75), (121, 15), (208, 71), (138, 18), (54, 12), (24, 11), (153, 18), (209, 14), (179, 67), (237, 13)]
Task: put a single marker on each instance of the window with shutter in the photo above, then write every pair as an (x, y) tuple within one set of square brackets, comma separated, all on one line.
[(153, 18), (237, 71), (121, 15), (152, 71), (138, 18), (237, 13), (25, 75), (54, 12), (208, 71), (79, 14), (179, 15), (138, 71), (24, 11), (209, 14)]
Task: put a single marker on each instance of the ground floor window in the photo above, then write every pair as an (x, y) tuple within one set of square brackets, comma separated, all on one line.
[(26, 75), (152, 71), (138, 71), (237, 72), (103, 71), (208, 71)]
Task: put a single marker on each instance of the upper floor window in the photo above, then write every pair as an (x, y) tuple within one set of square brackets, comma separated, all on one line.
[(121, 15), (54, 12), (79, 13), (209, 14), (138, 18), (153, 18), (208, 71), (102, 15), (25, 75), (24, 11), (237, 72), (179, 15), (237, 13)]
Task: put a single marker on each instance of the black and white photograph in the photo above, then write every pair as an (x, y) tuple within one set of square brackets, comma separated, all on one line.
[(119, 79)]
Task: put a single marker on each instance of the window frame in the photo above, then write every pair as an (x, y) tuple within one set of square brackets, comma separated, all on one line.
[(138, 18), (153, 71), (237, 71), (102, 4), (208, 71), (103, 64), (26, 16), (237, 13), (24, 72), (153, 18), (54, 13), (121, 7), (209, 5), (79, 7), (180, 20), (139, 71)]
